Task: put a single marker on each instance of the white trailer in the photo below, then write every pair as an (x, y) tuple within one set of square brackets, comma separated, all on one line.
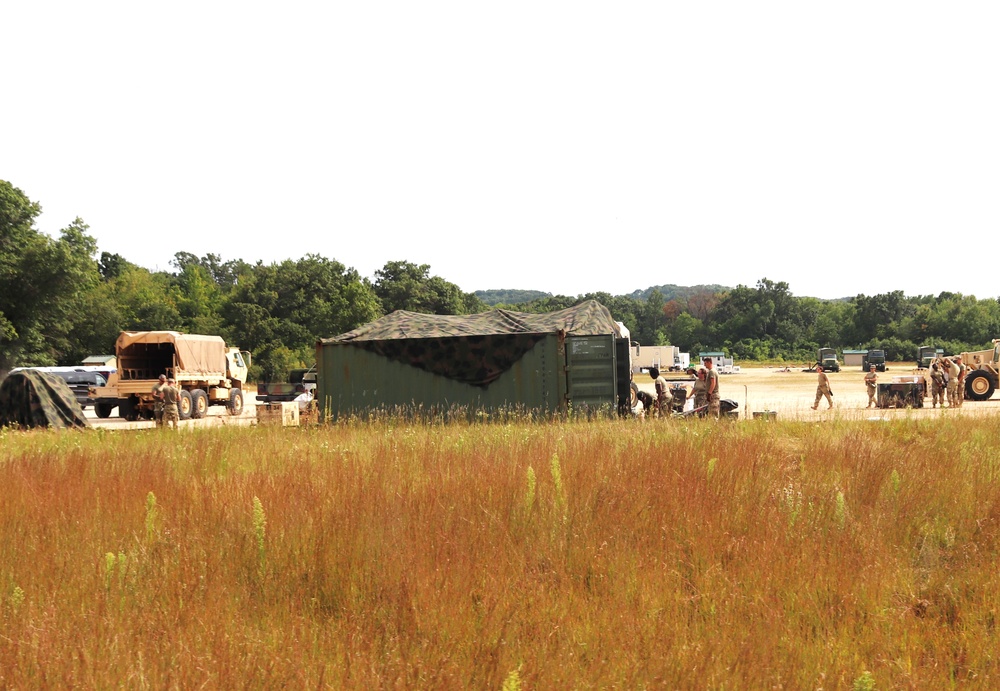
[(664, 358)]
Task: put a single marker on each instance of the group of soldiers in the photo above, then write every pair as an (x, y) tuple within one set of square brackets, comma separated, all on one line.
[(947, 377), (166, 395), (704, 393)]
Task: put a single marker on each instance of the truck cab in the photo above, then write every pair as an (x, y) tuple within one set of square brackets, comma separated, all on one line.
[(237, 366), (874, 357), (827, 357), (926, 355)]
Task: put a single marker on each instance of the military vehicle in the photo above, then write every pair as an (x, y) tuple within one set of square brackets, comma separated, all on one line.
[(298, 380), (981, 376), (206, 370), (827, 357), (874, 357), (926, 355)]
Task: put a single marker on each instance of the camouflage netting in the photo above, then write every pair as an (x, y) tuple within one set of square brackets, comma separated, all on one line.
[(30, 398), (476, 348)]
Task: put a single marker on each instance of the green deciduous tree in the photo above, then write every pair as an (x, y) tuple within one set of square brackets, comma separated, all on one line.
[(42, 282), (279, 311), (402, 285)]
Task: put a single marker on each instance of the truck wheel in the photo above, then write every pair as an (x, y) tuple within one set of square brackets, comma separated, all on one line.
[(103, 410), (235, 405), (979, 386), (128, 408), (199, 404), (184, 406)]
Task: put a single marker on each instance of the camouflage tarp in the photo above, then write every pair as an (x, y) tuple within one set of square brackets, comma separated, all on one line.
[(476, 348), (30, 398)]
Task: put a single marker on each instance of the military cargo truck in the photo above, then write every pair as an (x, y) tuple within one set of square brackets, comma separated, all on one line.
[(874, 357), (926, 355), (827, 357), (206, 370)]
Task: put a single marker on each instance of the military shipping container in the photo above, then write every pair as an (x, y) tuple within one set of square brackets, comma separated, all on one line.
[(543, 364)]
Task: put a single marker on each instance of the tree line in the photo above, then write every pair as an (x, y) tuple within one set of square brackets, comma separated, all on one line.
[(61, 299)]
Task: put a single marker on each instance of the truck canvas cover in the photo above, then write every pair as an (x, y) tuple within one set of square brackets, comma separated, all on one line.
[(30, 398), (195, 353), (475, 349)]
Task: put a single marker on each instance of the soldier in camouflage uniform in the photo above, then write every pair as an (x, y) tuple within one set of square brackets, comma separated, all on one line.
[(171, 396), (823, 388), (953, 373), (699, 390), (937, 386), (712, 387), (662, 397), (960, 387), (871, 380), (158, 399)]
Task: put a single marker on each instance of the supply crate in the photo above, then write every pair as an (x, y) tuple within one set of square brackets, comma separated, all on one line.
[(901, 395), (284, 414)]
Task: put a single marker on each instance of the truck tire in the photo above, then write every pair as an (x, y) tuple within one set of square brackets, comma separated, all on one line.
[(184, 406), (128, 408), (103, 410), (235, 405), (199, 404), (979, 386)]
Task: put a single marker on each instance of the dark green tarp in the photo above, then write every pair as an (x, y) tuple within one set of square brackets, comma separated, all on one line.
[(476, 348), (30, 398)]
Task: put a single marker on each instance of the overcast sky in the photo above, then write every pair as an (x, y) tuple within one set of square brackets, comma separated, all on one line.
[(843, 148)]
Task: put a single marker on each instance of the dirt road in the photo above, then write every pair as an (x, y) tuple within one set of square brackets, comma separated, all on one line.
[(217, 416)]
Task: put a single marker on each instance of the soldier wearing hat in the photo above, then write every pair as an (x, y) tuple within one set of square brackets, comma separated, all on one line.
[(823, 388), (711, 387), (953, 372), (171, 396), (158, 387), (937, 385), (870, 383)]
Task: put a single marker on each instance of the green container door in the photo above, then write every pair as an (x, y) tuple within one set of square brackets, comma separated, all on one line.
[(591, 375)]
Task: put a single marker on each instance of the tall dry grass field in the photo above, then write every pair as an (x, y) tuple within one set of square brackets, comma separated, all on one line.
[(542, 556)]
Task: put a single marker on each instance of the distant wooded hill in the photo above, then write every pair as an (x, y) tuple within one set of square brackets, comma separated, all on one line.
[(669, 292), (510, 297)]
